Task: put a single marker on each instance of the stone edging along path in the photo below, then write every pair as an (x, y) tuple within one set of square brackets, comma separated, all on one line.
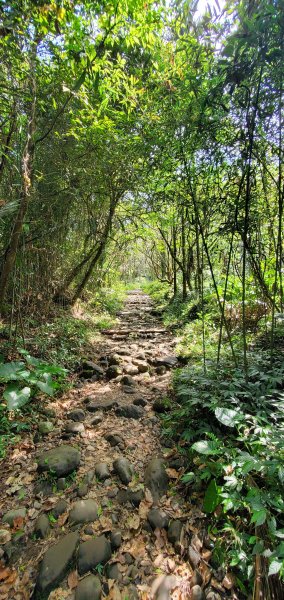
[(90, 505)]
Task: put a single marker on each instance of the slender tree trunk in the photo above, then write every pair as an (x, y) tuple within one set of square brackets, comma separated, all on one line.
[(26, 177), (183, 249)]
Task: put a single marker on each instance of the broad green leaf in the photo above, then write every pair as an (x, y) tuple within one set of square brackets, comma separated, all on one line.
[(45, 387), (275, 566), (16, 397), (259, 517), (227, 416), (206, 447), (12, 371), (211, 498)]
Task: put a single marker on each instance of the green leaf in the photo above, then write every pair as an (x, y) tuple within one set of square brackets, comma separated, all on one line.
[(211, 498), (206, 447), (46, 387), (12, 370), (227, 416), (275, 566), (259, 517), (188, 477), (16, 397)]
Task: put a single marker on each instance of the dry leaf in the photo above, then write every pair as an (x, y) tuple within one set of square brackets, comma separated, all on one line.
[(73, 580), (215, 584), (172, 473), (18, 523), (62, 519), (228, 581), (133, 522)]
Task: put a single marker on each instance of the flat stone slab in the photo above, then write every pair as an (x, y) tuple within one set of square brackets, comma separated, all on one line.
[(84, 511), (95, 405), (92, 553), (129, 411), (59, 461), (56, 562)]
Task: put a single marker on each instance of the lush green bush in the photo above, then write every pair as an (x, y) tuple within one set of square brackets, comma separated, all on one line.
[(232, 430)]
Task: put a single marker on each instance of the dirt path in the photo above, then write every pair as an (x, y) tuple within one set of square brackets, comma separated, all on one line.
[(98, 492)]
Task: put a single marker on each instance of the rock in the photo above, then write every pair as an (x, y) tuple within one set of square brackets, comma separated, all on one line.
[(89, 476), (88, 530), (167, 361), (5, 536), (161, 370), (128, 558), (102, 471), (128, 381), (59, 461), (163, 592), (114, 439), (115, 540), (84, 511), (123, 469), (193, 557), (77, 415), (132, 593), (130, 370), (11, 515), (45, 427), (174, 532), (89, 588), (114, 360), (156, 479), (158, 518), (113, 372), (112, 572), (95, 405), (82, 490), (59, 508), (127, 389), (196, 578), (92, 553), (43, 488), (55, 564), (140, 402), (159, 406), (197, 593), (74, 428), (135, 497), (90, 368), (129, 411), (42, 526), (61, 483), (143, 366), (97, 419)]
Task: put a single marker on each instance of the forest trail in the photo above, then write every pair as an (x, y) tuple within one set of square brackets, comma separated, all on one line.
[(102, 471)]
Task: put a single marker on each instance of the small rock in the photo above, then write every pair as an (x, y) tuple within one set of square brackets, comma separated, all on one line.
[(97, 419), (156, 479), (161, 370), (113, 372), (140, 402), (89, 588), (115, 540), (61, 483), (90, 368), (128, 558), (82, 490), (158, 518), (132, 593), (88, 478), (197, 593), (128, 381), (43, 488), (59, 461), (123, 469), (174, 532), (130, 370), (11, 515), (45, 427), (92, 553), (114, 360), (114, 439), (56, 562), (164, 590), (193, 557), (167, 361), (129, 411), (59, 508), (84, 511), (102, 471), (74, 427), (127, 389), (95, 405), (42, 526), (76, 415), (112, 572), (5, 536)]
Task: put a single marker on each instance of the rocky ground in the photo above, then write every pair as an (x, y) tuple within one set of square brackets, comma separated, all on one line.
[(91, 506)]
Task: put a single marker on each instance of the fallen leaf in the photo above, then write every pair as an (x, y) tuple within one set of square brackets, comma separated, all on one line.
[(62, 519), (172, 473), (73, 580), (18, 523), (133, 522), (216, 585), (4, 573), (228, 581)]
